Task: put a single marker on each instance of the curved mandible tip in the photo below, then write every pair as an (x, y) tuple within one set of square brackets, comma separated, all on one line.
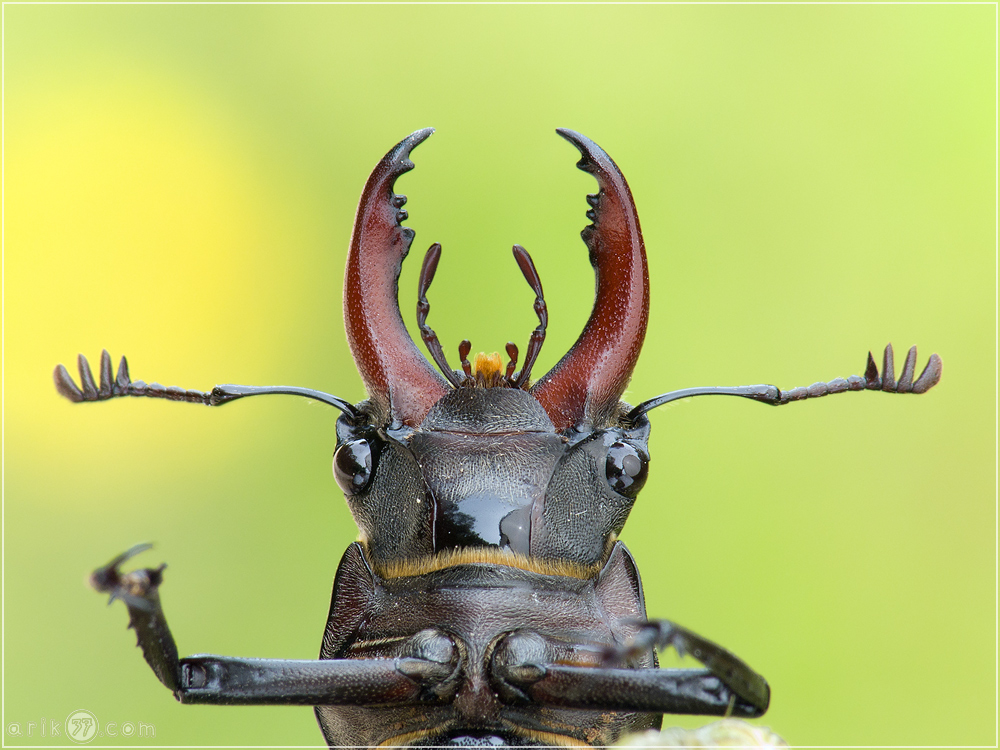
[(400, 381), (586, 384)]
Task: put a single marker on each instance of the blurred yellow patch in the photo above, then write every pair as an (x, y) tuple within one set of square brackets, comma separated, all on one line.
[(137, 220)]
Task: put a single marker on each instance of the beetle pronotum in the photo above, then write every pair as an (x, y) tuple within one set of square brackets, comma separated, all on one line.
[(488, 600)]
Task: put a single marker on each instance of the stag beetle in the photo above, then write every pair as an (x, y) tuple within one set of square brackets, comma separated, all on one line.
[(487, 600)]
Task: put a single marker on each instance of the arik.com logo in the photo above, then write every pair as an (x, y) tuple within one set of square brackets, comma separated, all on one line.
[(81, 726)]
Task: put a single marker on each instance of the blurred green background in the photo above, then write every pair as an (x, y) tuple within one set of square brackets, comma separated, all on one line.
[(813, 182)]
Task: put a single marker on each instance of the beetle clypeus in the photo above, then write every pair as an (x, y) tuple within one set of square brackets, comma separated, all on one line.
[(488, 600)]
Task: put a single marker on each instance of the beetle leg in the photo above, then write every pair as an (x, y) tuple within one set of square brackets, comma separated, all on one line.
[(427, 671), (425, 675), (669, 691), (734, 673), (228, 680), (139, 589), (525, 670)]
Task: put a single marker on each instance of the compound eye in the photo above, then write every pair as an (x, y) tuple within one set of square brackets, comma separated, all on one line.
[(353, 464), (626, 469)]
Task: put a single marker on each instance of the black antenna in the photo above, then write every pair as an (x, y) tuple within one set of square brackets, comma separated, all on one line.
[(122, 385), (774, 396)]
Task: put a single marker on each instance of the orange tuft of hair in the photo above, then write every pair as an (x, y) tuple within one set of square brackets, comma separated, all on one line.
[(488, 368)]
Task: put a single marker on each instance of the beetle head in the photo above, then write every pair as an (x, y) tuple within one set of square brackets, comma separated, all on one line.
[(462, 460)]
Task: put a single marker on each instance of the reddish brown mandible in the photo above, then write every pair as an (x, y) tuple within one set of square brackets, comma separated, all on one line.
[(587, 383), (401, 383)]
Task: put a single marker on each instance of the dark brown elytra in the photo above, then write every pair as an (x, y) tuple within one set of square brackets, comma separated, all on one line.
[(488, 601)]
